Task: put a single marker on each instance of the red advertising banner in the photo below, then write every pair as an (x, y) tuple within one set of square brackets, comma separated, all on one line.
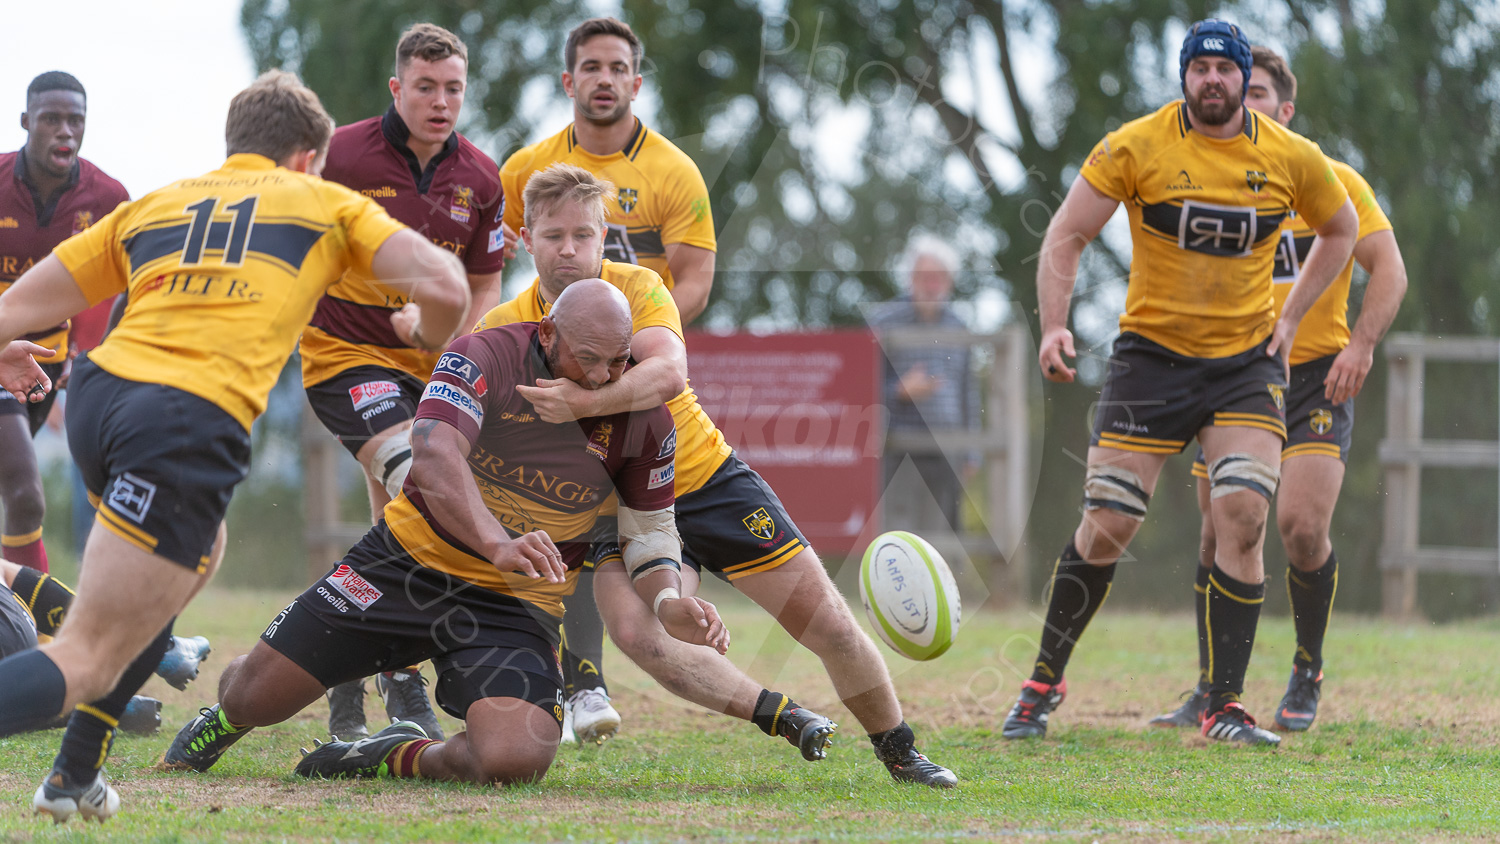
[(804, 411)]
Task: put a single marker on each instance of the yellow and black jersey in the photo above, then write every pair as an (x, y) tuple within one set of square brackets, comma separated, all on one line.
[(1204, 220), (223, 272), (701, 448), (1325, 329), (660, 197)]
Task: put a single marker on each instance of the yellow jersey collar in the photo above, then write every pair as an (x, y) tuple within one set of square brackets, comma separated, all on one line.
[(248, 161)]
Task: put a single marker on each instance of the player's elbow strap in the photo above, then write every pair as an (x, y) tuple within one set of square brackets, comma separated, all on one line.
[(1237, 472), (392, 462), (654, 566), (648, 537), (1114, 488)]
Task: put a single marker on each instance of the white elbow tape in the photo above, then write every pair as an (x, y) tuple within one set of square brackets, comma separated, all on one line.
[(647, 536), (668, 594), (392, 461), (1114, 488), (1237, 472)]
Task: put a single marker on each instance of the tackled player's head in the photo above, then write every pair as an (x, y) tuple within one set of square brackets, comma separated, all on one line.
[(586, 334), (432, 74), (603, 70), (564, 224), (1273, 87), (1214, 65), (56, 107), (282, 119)]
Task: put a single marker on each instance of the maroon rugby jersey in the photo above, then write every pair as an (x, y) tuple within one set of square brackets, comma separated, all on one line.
[(456, 202), (30, 228), (533, 475)]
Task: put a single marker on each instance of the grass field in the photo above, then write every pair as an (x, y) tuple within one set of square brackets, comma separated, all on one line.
[(1407, 747)]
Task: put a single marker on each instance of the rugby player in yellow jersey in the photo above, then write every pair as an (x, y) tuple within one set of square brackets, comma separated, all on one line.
[(1329, 365), (659, 219), (731, 522), (1201, 353), (222, 271)]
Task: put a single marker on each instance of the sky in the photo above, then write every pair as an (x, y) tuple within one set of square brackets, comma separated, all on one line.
[(159, 76)]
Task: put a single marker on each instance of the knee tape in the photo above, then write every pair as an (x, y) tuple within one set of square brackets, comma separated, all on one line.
[(1114, 488), (1235, 472), (392, 461)]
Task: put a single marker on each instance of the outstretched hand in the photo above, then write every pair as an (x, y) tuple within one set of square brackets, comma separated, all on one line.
[(20, 374), (695, 621)]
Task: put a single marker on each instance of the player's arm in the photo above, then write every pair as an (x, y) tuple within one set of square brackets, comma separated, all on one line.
[(692, 269), (484, 294), (43, 296), (652, 552), (1083, 214), (659, 374), (440, 469), (1381, 258), (433, 280), (1328, 257)]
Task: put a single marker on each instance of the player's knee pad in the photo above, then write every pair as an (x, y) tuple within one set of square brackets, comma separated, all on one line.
[(1235, 472), (1115, 488), (392, 461)]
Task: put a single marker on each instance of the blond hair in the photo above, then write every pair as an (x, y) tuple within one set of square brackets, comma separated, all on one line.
[(277, 116), (561, 183)]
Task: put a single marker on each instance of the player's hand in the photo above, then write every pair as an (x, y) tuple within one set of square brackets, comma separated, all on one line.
[(533, 555), (557, 400), (20, 374), (1281, 345), (408, 324), (1347, 375), (511, 241), (695, 621), (1057, 342)]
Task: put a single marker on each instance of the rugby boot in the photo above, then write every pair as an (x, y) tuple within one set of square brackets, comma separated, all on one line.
[(807, 731), (180, 664), (594, 717), (201, 742), (364, 758), (346, 710), (898, 752), (1233, 723), (1028, 718), (1189, 714), (142, 716), (404, 694), (568, 736), (95, 800), (1299, 706)]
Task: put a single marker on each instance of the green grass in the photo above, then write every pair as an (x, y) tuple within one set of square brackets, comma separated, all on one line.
[(1407, 747)]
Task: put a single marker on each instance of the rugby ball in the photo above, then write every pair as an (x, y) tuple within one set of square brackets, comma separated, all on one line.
[(909, 595)]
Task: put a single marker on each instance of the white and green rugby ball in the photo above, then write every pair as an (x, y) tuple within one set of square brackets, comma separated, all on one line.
[(909, 595)]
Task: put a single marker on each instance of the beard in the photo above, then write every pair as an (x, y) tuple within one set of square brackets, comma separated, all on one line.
[(1216, 114), (606, 117)]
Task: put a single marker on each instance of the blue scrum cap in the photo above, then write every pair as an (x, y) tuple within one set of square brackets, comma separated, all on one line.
[(1214, 37)]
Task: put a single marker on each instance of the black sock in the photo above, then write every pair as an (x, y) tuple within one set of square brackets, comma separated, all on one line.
[(768, 709), (91, 728), (1078, 590), (892, 745), (1233, 612), (1311, 594), (1200, 608), (32, 691), (47, 598), (583, 638)]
